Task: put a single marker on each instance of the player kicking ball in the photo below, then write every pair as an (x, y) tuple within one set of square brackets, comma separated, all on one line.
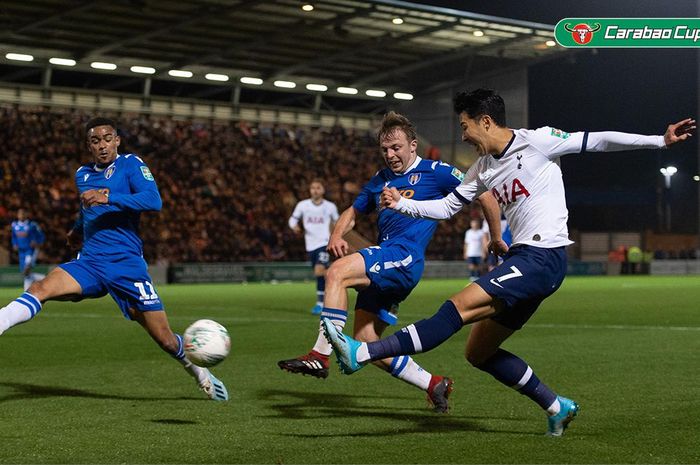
[(384, 275), (521, 168), (114, 190)]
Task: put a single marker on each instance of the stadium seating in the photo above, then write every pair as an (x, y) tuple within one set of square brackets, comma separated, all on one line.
[(227, 187)]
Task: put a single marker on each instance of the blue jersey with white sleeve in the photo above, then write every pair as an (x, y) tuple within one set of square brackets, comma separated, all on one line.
[(424, 180), (25, 233), (395, 266), (113, 229)]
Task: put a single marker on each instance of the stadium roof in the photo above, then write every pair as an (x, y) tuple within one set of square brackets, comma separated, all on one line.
[(388, 45)]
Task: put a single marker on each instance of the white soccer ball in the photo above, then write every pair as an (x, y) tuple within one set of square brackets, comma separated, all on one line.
[(207, 343)]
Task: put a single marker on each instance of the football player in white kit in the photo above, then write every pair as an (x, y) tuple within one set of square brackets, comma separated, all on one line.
[(318, 216), (521, 169), (473, 239)]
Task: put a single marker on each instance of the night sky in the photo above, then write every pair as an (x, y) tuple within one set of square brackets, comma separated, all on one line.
[(630, 90)]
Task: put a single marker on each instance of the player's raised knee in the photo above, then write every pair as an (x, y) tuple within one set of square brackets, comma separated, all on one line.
[(336, 273), (40, 289), (475, 358)]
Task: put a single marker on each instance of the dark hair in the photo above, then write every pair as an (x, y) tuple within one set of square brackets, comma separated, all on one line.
[(393, 121), (481, 102), (99, 121)]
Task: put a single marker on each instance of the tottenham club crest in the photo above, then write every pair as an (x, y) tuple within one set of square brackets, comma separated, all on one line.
[(109, 172), (414, 178)]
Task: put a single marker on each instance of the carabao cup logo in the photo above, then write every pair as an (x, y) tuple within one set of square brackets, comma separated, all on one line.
[(582, 33)]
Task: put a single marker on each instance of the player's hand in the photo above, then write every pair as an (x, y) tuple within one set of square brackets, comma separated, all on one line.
[(95, 197), (74, 240), (297, 230), (679, 132), (498, 247), (338, 247), (390, 197)]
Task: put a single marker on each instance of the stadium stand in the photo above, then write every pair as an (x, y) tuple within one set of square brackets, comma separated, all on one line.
[(227, 187)]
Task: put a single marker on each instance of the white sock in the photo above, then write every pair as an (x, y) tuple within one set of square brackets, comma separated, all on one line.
[(322, 345), (338, 317), (28, 282), (406, 369), (362, 353), (198, 373), (22, 309), (554, 408)]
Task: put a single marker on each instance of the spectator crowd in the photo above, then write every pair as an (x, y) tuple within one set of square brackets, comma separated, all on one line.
[(228, 187)]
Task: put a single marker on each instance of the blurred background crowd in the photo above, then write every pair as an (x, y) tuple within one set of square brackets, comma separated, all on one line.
[(228, 188)]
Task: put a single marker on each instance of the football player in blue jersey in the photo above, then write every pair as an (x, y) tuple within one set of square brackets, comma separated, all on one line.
[(384, 275), (27, 237), (114, 190)]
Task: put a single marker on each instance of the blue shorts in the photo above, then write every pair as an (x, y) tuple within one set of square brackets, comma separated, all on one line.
[(527, 276), (27, 258), (320, 256), (493, 259), (126, 279), (474, 260), (393, 270)]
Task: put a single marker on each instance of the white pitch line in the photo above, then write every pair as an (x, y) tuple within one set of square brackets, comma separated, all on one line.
[(301, 319), (618, 327), (119, 316)]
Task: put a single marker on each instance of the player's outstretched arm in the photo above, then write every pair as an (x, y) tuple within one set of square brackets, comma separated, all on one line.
[(94, 197), (390, 197), (679, 131), (612, 141), (338, 246), (440, 209), (144, 200)]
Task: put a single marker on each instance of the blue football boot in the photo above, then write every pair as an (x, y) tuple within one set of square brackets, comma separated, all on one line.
[(345, 347), (317, 309), (559, 422), (214, 388)]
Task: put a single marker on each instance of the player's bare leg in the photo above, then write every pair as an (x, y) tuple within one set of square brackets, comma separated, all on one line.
[(368, 327), (471, 305), (156, 325), (346, 272), (57, 285)]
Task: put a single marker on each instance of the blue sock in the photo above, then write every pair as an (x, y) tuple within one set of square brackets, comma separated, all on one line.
[(336, 315), (23, 308), (320, 289), (514, 372), (31, 302), (419, 337), (180, 354)]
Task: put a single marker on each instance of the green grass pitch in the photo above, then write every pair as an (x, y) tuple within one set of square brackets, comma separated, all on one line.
[(79, 384)]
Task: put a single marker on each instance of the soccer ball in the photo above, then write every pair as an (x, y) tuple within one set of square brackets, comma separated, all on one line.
[(207, 343)]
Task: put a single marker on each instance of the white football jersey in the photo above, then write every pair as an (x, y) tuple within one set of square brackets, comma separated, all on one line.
[(473, 239), (317, 221), (526, 181)]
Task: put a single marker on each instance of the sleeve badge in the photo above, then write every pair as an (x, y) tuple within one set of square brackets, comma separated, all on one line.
[(147, 173)]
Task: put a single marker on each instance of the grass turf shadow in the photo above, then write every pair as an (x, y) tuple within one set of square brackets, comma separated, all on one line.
[(34, 391), (305, 405)]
